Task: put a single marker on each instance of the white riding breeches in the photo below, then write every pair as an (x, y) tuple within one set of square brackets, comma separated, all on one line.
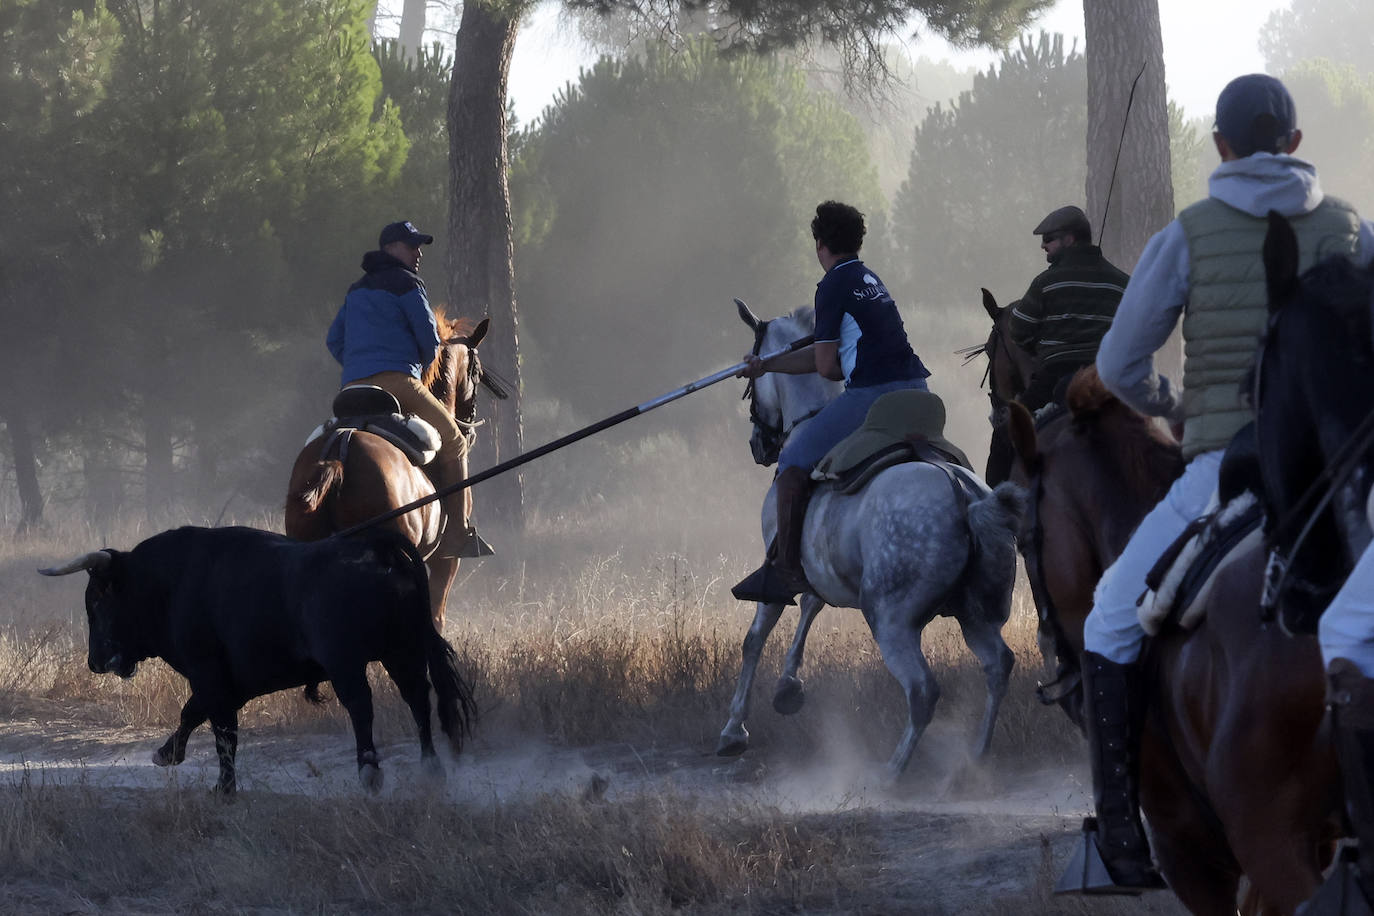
[(1113, 628), (1346, 629)]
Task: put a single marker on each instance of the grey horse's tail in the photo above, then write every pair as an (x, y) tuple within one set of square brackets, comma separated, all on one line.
[(995, 520)]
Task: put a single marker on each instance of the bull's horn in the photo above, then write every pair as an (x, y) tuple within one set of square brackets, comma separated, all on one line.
[(96, 559)]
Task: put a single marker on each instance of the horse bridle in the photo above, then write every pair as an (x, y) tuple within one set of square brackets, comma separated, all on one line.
[(1278, 575), (771, 435)]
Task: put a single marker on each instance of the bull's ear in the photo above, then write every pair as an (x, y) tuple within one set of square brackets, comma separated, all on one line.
[(990, 305), (1280, 261), (747, 316)]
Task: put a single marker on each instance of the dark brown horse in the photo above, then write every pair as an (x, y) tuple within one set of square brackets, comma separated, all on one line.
[(1009, 371), (1237, 773), (328, 496)]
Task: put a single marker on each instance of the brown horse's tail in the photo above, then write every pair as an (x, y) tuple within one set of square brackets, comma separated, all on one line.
[(324, 477)]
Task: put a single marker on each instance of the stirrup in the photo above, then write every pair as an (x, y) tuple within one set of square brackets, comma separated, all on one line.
[(766, 586), (472, 545), (1087, 873)]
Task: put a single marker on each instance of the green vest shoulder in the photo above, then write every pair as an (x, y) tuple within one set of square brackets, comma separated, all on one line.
[(1227, 307)]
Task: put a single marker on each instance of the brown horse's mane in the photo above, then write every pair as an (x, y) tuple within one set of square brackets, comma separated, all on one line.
[(448, 329), (1147, 457)]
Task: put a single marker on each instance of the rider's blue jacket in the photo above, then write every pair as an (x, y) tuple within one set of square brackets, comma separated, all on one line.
[(385, 323)]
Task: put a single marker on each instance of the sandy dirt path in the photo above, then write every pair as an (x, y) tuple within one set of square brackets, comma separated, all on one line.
[(951, 835)]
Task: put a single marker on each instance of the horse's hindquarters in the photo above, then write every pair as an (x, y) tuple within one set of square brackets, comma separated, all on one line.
[(905, 532)]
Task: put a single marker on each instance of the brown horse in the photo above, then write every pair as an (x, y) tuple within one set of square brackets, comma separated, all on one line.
[(326, 496), (1237, 772), (1009, 371)]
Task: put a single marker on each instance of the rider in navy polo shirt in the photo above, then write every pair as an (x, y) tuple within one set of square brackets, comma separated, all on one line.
[(861, 341)]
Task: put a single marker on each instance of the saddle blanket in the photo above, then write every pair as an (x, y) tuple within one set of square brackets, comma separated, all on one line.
[(1181, 582)]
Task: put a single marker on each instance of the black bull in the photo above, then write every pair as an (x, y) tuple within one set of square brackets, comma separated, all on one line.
[(241, 613)]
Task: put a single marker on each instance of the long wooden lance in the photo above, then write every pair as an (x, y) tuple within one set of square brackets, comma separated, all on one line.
[(572, 437)]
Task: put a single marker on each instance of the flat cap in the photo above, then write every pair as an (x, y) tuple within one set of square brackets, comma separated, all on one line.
[(1064, 219)]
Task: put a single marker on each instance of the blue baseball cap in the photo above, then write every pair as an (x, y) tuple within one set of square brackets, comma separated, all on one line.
[(403, 232), (1255, 114)]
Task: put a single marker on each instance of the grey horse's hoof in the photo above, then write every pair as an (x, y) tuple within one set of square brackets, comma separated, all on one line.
[(789, 697), (731, 745)]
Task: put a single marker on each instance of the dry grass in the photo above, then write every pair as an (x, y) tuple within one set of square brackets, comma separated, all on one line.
[(284, 854), (572, 646)]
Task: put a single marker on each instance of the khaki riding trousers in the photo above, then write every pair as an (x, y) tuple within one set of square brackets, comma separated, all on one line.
[(415, 398)]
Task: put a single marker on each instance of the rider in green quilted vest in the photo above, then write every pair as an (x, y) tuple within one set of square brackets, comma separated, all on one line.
[(1206, 267)]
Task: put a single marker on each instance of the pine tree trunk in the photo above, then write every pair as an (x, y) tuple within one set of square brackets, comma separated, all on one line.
[(412, 34), (25, 466), (480, 251), (1121, 36)]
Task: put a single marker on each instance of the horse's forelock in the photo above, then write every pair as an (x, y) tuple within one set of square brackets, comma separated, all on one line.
[(1087, 395), (452, 327)]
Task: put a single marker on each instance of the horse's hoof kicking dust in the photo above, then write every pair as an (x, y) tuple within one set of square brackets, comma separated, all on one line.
[(790, 696)]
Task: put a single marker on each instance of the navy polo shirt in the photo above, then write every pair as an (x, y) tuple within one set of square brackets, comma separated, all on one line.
[(854, 309)]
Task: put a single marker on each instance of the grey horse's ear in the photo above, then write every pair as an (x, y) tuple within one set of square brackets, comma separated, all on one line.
[(747, 316), (990, 304)]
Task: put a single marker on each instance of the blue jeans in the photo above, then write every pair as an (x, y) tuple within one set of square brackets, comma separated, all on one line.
[(810, 442)]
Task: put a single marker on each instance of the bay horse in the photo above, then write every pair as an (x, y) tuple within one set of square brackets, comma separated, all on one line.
[(1007, 375), (328, 496), (903, 550), (1237, 773)]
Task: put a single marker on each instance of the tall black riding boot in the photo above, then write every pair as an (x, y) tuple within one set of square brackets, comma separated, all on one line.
[(780, 577), (1351, 697), (1113, 708)]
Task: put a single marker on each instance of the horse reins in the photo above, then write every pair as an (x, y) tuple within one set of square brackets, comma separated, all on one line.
[(1319, 492), (777, 432)]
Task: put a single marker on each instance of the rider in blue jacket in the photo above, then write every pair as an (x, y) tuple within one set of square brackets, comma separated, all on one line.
[(385, 335)]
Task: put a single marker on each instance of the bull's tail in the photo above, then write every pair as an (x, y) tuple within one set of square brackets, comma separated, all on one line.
[(456, 707), (457, 710), (324, 478)]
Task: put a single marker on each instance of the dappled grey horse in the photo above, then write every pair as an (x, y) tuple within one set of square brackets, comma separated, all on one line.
[(902, 550)]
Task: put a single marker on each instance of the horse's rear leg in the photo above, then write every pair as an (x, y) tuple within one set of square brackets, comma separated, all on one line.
[(355, 695), (898, 635), (984, 639), (789, 695), (734, 737)]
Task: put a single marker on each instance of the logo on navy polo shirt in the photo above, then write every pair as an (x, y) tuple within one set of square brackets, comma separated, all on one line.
[(872, 289)]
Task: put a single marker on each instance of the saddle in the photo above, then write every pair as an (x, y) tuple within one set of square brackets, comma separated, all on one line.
[(900, 427), (1181, 581), (374, 410)]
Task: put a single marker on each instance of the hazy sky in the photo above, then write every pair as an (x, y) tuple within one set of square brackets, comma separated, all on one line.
[(1206, 43)]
